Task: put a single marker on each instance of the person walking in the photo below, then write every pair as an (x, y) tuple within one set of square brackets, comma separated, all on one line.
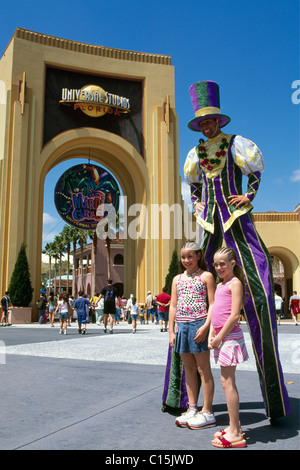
[(163, 301), (134, 311), (99, 310), (52, 304), (278, 306), (109, 293), (5, 304), (81, 305), (294, 306), (42, 304), (62, 309), (149, 309)]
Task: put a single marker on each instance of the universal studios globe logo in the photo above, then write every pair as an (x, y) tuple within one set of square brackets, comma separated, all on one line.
[(93, 101), (80, 193)]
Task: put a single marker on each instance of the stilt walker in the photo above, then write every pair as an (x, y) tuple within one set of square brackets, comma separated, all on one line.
[(214, 170)]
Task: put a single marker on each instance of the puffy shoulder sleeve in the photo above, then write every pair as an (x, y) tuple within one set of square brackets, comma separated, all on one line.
[(247, 155), (193, 175), (250, 160), (192, 172)]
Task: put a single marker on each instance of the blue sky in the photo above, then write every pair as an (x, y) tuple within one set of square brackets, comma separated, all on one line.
[(251, 48)]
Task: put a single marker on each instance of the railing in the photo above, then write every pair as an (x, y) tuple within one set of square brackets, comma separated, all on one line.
[(275, 216)]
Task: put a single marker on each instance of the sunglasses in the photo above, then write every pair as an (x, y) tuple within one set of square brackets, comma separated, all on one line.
[(221, 264)]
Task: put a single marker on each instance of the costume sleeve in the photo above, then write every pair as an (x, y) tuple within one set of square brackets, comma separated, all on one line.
[(192, 174), (249, 159)]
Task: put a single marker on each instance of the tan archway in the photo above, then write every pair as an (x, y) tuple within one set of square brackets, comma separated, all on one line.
[(127, 166), (290, 264), (280, 232), (141, 152)]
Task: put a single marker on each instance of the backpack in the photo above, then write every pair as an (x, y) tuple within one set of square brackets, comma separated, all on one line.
[(109, 294), (41, 304)]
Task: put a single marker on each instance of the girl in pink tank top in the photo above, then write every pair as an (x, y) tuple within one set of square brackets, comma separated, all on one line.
[(226, 339)]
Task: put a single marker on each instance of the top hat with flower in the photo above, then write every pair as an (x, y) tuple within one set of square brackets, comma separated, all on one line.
[(205, 97)]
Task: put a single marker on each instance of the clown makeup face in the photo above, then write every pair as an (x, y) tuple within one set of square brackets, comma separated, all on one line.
[(210, 127)]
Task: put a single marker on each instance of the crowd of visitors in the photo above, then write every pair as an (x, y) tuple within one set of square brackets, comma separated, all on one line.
[(155, 309), (106, 307)]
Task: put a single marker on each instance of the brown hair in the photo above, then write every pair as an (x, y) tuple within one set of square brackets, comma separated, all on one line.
[(190, 245)]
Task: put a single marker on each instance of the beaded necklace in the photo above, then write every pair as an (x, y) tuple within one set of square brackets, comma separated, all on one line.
[(207, 162), (192, 274)]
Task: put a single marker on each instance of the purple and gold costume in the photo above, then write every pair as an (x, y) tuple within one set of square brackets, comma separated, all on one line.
[(220, 220)]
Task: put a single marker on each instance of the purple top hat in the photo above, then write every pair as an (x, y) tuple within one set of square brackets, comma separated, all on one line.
[(206, 103)]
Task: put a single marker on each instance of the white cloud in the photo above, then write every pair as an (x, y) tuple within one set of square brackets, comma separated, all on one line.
[(186, 193), (49, 219), (295, 176)]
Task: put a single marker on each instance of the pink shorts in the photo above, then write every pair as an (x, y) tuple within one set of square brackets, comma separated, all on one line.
[(232, 350)]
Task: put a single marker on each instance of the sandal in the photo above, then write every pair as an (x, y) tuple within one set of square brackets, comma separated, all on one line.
[(222, 443), (219, 433), (222, 432)]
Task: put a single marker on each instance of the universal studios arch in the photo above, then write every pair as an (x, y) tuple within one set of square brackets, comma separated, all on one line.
[(62, 100)]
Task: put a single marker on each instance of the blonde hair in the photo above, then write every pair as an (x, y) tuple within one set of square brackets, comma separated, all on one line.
[(237, 269), (190, 245)]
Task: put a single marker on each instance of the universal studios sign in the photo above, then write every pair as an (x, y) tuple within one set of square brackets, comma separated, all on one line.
[(94, 101)]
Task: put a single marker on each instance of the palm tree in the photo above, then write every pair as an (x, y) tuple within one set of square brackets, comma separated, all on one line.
[(75, 237), (67, 237), (93, 236), (59, 242), (55, 254), (48, 250), (82, 238)]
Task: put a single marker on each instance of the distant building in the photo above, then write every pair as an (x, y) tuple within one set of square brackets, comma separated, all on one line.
[(91, 270)]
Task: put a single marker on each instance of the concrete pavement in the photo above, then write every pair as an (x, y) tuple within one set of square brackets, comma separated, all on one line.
[(103, 392)]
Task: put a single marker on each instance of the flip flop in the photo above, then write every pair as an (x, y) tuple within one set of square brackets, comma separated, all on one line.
[(222, 443)]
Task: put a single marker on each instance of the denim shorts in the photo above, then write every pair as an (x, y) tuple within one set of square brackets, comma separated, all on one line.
[(64, 315), (184, 341), (81, 318), (163, 315), (133, 316)]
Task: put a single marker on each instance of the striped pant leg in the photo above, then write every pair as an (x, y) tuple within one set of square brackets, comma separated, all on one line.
[(210, 243), (174, 392), (260, 313)]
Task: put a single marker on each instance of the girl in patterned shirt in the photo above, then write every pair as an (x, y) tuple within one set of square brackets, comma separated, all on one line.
[(188, 310)]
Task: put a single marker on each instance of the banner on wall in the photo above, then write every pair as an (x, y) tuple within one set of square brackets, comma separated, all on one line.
[(81, 191)]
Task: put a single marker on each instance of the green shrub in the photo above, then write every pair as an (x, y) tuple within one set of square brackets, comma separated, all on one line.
[(20, 290)]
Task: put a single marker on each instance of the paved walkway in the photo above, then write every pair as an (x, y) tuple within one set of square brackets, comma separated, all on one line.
[(103, 391)]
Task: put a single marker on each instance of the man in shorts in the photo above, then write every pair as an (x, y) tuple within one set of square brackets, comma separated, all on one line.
[(109, 293), (278, 307), (163, 301)]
